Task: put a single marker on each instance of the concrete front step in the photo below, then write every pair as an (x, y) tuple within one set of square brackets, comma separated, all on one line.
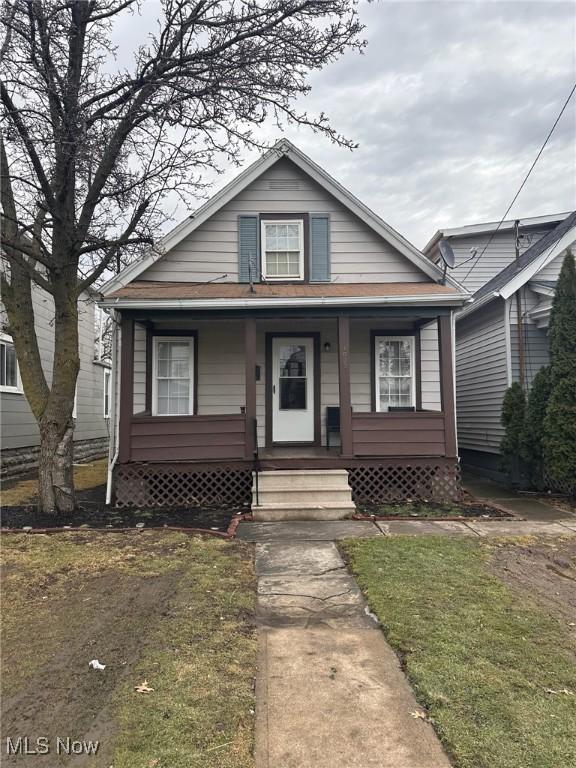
[(283, 511), (302, 494)]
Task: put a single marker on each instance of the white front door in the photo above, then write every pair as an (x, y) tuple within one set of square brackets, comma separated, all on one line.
[(292, 390)]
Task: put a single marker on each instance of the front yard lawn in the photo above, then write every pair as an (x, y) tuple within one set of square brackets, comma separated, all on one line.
[(485, 631), (163, 607)]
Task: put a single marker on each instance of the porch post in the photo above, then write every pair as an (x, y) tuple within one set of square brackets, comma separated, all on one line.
[(447, 383), (344, 385), (250, 363), (126, 385)]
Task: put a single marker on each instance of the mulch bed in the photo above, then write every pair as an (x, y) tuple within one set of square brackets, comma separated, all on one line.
[(429, 510), (92, 512)]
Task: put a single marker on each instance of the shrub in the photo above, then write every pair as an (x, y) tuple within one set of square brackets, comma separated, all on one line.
[(513, 413), (531, 443), (560, 422)]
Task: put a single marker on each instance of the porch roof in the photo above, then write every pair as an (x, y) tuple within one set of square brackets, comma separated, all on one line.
[(152, 293)]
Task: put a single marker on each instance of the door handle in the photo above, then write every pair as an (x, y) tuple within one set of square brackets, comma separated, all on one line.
[(273, 389)]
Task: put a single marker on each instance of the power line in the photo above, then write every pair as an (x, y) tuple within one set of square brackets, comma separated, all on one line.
[(521, 187)]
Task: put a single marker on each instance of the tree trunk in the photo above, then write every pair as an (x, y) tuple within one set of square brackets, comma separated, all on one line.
[(55, 468)]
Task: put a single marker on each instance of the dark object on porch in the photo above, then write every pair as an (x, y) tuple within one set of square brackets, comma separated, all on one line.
[(332, 422)]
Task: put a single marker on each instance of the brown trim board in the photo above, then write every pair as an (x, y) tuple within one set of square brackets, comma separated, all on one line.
[(269, 336)]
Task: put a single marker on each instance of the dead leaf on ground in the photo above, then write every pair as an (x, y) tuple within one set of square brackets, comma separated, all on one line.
[(143, 687), (420, 716), (565, 691)]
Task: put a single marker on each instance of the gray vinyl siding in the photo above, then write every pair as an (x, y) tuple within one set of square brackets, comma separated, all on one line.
[(221, 370), (499, 253), (357, 254), (18, 425), (536, 352), (481, 377), (139, 403), (430, 367), (551, 270)]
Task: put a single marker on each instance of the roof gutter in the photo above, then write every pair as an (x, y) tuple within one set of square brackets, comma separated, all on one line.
[(276, 302), (473, 305)]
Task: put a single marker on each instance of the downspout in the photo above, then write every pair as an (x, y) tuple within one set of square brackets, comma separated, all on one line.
[(114, 442)]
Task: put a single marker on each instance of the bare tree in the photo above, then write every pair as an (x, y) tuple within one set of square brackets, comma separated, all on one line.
[(90, 150)]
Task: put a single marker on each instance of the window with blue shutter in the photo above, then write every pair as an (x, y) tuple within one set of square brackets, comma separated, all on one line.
[(248, 249), (319, 248)]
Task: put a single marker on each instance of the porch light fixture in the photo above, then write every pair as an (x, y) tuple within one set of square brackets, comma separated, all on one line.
[(327, 346)]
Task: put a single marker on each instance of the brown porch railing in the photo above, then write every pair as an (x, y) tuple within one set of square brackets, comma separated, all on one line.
[(421, 433)]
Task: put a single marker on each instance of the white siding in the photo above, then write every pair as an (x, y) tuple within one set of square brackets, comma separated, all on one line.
[(357, 253), (551, 270), (481, 377), (18, 425)]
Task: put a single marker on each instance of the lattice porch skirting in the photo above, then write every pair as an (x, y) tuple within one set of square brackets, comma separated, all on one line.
[(230, 485), (406, 480), (157, 485)]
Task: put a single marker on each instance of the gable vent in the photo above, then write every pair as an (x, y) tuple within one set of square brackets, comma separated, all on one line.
[(283, 184)]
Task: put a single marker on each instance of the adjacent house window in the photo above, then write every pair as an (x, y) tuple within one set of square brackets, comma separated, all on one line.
[(395, 372), (173, 379), (9, 374), (283, 250), (107, 379)]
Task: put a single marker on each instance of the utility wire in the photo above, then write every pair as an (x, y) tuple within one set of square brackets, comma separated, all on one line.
[(521, 187)]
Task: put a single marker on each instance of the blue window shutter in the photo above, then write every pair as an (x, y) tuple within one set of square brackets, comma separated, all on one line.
[(319, 248), (248, 249)]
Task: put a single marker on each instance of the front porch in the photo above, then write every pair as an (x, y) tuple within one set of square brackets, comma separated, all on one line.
[(261, 388)]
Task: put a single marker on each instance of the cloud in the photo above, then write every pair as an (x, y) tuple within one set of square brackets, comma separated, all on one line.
[(450, 103)]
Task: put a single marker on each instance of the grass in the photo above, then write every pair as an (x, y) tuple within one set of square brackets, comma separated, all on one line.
[(86, 476), (481, 660), (175, 610), (415, 509)]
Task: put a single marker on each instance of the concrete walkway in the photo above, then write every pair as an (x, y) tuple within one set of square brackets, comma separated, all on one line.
[(330, 692), (298, 531), (523, 505)]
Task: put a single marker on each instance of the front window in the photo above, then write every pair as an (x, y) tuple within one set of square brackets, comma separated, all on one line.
[(283, 250), (9, 380), (173, 376), (395, 378)]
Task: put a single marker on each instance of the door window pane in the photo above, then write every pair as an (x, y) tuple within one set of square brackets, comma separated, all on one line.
[(293, 394), (293, 360)]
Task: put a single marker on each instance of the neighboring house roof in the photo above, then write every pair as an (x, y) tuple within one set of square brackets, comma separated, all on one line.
[(283, 148), (232, 295), (520, 271), (491, 226)]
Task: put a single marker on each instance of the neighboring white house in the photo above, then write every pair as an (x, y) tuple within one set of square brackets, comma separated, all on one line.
[(488, 354), (19, 433)]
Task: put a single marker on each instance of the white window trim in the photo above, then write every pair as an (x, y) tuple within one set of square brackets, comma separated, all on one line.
[(17, 390), (275, 278), (191, 340), (403, 337), (107, 385)]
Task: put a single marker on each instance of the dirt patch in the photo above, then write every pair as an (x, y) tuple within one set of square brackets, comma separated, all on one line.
[(546, 570), (116, 610)]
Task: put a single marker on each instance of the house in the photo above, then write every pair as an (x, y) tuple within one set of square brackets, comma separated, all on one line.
[(501, 336), (281, 308), (20, 438)]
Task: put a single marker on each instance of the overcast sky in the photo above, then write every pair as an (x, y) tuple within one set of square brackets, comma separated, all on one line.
[(449, 104)]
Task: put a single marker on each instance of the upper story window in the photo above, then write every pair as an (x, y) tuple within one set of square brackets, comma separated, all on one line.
[(395, 372), (283, 249), (173, 380), (9, 374), (107, 380)]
